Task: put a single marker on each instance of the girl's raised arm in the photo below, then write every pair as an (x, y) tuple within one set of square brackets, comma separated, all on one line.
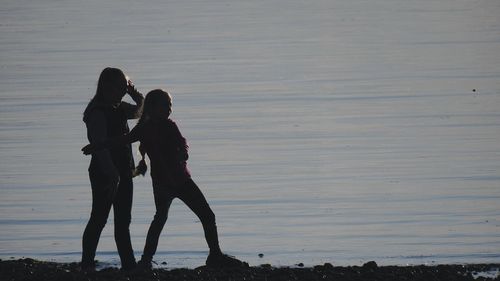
[(133, 111)]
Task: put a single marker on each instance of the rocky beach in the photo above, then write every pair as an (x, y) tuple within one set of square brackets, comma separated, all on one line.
[(329, 131), (29, 269)]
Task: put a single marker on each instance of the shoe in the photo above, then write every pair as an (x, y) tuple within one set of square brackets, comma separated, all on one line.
[(87, 266), (129, 267), (223, 260), (144, 265)]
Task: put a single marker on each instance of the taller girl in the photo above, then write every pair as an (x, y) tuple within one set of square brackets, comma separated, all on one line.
[(110, 169)]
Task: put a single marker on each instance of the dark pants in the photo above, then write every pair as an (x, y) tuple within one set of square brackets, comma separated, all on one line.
[(101, 206), (191, 195)]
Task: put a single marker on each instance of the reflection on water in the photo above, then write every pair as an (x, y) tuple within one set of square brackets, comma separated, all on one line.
[(333, 131)]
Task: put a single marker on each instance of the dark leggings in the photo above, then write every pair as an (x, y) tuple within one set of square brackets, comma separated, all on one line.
[(191, 195), (101, 206)]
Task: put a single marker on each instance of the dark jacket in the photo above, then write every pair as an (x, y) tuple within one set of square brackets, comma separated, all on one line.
[(107, 121), (167, 150)]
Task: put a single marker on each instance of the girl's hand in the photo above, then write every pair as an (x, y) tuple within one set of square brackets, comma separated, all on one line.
[(94, 147), (183, 155), (131, 90), (140, 169), (89, 149)]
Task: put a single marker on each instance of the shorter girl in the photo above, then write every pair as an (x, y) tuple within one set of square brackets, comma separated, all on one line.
[(167, 150)]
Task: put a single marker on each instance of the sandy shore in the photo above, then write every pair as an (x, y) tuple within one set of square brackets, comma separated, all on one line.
[(29, 269)]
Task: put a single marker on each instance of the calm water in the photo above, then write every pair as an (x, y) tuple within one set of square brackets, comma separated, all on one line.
[(321, 131)]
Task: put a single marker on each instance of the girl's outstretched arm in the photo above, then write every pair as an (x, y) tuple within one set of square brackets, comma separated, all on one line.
[(141, 168), (98, 145)]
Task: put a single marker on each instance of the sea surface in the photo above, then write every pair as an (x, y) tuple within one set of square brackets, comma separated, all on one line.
[(338, 131)]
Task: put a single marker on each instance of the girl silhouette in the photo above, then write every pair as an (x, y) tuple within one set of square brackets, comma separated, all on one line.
[(110, 169)]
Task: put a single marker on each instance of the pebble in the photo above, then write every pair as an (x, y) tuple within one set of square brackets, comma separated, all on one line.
[(370, 265)]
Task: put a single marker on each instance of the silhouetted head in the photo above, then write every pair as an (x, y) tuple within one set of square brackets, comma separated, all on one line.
[(157, 105), (111, 88)]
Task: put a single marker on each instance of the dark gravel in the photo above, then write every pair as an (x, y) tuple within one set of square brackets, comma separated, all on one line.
[(29, 269)]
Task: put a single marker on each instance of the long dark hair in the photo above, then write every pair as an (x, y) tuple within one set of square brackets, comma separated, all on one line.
[(108, 80), (153, 98)]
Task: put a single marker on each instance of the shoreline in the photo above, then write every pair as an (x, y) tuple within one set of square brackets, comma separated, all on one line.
[(30, 269)]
